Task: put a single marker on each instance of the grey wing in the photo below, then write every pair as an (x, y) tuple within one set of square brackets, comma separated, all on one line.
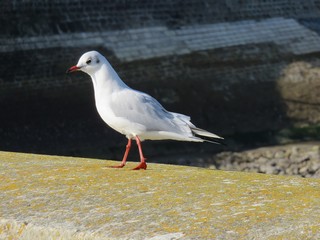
[(141, 108)]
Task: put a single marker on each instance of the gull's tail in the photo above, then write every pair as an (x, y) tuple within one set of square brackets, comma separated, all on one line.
[(194, 133)]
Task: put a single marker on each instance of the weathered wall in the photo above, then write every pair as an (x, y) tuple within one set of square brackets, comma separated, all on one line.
[(232, 66), (34, 18), (54, 197)]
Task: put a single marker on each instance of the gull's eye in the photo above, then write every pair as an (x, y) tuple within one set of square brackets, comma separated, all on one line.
[(88, 61)]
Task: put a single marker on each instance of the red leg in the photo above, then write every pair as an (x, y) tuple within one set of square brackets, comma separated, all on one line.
[(142, 164), (125, 156)]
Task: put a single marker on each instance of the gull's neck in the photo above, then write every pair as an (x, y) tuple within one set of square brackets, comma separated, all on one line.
[(106, 80)]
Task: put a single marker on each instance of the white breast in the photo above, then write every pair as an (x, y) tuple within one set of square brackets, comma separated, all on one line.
[(120, 124)]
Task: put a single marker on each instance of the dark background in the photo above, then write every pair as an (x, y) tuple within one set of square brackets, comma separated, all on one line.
[(252, 94)]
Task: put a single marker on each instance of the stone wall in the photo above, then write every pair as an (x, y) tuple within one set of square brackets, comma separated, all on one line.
[(52, 17), (231, 65), (34, 18)]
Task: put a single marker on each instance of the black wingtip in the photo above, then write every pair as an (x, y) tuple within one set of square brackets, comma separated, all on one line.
[(215, 141)]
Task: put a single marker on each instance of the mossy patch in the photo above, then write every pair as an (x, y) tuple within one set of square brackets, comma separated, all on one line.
[(301, 133), (86, 198)]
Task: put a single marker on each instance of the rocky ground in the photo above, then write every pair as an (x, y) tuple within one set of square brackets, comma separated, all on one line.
[(293, 159)]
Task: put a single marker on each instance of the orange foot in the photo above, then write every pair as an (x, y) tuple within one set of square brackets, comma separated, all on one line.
[(118, 166), (142, 165)]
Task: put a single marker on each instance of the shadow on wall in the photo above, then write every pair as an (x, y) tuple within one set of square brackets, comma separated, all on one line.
[(247, 101)]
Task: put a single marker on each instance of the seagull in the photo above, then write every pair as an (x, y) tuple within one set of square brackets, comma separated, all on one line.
[(132, 113)]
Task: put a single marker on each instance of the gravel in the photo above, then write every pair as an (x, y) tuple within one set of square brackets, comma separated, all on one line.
[(301, 159)]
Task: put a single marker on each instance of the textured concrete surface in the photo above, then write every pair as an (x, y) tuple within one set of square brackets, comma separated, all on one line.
[(45, 197)]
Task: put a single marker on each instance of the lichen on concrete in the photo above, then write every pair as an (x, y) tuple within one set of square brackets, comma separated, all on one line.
[(76, 198)]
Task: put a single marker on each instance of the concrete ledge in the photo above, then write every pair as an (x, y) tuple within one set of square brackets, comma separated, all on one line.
[(72, 198)]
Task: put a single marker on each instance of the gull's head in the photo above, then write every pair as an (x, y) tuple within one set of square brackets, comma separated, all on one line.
[(89, 62)]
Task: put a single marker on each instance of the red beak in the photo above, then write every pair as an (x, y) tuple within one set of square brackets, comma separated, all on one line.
[(73, 69)]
